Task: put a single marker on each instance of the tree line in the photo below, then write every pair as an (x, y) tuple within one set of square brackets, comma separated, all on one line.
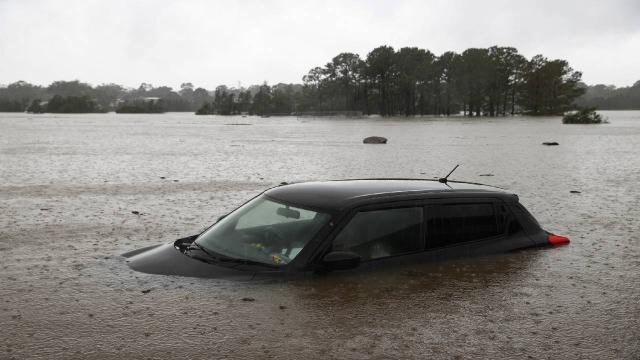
[(408, 81), (414, 81), (609, 97), (76, 96)]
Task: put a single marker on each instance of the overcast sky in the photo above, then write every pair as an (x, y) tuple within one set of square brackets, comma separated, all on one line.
[(210, 42)]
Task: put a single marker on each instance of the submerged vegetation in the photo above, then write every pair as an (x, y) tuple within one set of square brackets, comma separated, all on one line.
[(65, 105), (140, 107), (72, 104), (583, 116), (407, 81), (206, 109)]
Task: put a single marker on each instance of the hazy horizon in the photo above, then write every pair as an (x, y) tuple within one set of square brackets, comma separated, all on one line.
[(248, 42)]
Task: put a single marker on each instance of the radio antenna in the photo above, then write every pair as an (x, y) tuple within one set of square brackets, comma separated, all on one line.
[(444, 179)]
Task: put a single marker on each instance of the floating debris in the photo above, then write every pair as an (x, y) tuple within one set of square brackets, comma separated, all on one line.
[(248, 299)]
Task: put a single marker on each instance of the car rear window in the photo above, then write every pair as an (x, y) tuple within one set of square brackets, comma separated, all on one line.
[(448, 224)]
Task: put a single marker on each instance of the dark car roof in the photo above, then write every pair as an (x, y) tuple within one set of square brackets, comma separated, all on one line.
[(337, 194)]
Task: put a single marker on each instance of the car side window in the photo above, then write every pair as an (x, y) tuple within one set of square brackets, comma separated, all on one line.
[(448, 224), (381, 233)]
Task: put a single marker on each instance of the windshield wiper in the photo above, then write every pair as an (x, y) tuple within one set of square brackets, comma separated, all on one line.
[(195, 246), (208, 258), (241, 261), (226, 259)]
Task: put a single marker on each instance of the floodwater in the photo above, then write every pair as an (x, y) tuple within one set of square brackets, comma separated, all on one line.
[(69, 184)]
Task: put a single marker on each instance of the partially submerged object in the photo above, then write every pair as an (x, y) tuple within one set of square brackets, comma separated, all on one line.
[(320, 227), (374, 140)]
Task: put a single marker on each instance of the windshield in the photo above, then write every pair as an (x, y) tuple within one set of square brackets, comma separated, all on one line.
[(263, 230)]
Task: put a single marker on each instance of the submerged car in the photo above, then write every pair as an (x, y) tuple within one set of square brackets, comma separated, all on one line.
[(341, 225)]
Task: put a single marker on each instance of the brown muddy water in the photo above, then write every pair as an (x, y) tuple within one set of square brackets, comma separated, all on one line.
[(69, 185)]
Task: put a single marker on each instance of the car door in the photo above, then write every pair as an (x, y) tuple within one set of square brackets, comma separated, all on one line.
[(382, 234), (469, 227)]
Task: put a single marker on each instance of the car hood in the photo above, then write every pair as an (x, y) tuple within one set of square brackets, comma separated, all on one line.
[(167, 260)]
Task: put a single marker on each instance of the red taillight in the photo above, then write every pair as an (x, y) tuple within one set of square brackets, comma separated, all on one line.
[(557, 240)]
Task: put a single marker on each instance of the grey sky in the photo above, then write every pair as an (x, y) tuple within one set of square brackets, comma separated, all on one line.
[(225, 42)]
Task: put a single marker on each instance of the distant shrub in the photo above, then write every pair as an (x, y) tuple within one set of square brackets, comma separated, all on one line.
[(36, 107), (583, 116)]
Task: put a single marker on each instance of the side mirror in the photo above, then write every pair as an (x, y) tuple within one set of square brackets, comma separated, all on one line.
[(341, 260)]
